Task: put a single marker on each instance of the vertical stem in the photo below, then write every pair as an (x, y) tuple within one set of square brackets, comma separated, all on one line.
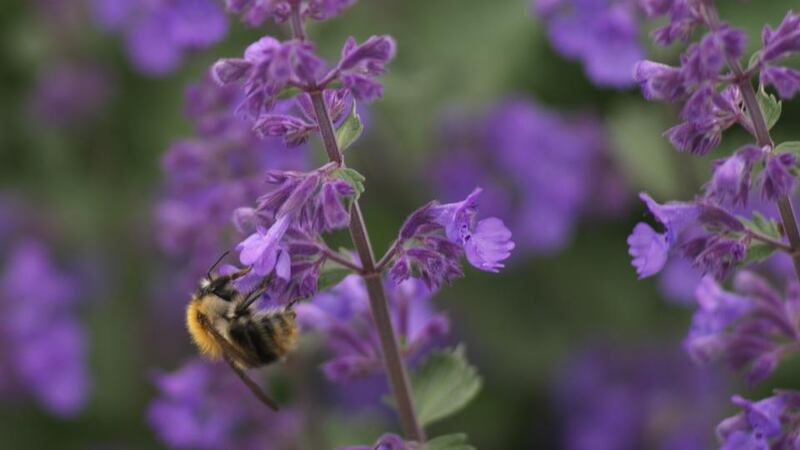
[(763, 138), (395, 368)]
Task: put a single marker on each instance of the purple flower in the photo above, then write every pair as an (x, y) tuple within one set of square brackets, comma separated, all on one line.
[(603, 35), (202, 406), (678, 281), (776, 180), (262, 250), (748, 328), (44, 338), (732, 176), (343, 315), (648, 249), (388, 441), (703, 61), (267, 67), (360, 64), (158, 33), (684, 16), (785, 80), (764, 424), (783, 41), (256, 12), (421, 245), (707, 114), (659, 81), (622, 398)]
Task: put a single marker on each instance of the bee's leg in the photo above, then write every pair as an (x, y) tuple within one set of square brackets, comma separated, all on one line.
[(254, 388), (251, 297)]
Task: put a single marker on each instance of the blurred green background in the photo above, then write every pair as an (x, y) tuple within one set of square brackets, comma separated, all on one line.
[(97, 182)]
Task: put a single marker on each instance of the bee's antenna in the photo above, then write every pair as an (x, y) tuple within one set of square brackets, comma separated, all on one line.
[(291, 303), (219, 260)]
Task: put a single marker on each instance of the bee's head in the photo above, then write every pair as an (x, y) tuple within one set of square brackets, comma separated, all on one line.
[(221, 286)]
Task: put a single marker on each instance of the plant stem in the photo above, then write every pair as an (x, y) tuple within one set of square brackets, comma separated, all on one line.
[(390, 348), (763, 138)]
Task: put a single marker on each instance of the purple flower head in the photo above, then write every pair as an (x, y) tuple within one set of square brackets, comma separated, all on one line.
[(703, 61), (765, 424), (421, 245), (267, 67), (659, 81), (360, 64), (684, 16), (783, 41), (715, 255), (203, 406), (343, 316), (622, 398), (296, 130), (785, 80), (46, 343), (747, 329), (732, 176), (158, 33), (777, 180), (256, 12), (648, 249), (707, 114), (603, 35), (388, 441)]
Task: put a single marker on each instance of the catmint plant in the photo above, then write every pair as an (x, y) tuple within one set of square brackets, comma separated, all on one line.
[(754, 327), (377, 317)]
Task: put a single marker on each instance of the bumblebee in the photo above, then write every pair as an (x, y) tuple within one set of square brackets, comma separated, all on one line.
[(224, 325)]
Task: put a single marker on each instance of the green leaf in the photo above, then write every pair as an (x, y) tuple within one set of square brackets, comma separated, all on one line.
[(349, 130), (754, 59), (352, 177), (288, 92), (443, 384), (330, 275), (764, 225), (788, 147), (758, 251), (457, 441), (770, 107)]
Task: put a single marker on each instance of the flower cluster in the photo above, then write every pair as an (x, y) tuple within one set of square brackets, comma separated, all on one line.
[(542, 170), (256, 12), (204, 406), (432, 240), (158, 33), (635, 398), (270, 66), (209, 176), (752, 328), (343, 315), (602, 34), (45, 351), (771, 423)]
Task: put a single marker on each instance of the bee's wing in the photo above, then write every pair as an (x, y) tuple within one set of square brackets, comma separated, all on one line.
[(233, 353)]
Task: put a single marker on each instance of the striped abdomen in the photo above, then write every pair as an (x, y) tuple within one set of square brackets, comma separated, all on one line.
[(266, 337)]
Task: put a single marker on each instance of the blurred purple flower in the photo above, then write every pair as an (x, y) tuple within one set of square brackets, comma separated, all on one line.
[(630, 399), (388, 441), (44, 339), (256, 12), (770, 423), (602, 34), (540, 170), (158, 33), (205, 406), (342, 314), (752, 328), (70, 94)]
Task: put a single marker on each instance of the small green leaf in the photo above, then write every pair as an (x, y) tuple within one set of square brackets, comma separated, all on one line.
[(457, 441), (758, 251), (788, 147), (754, 59), (331, 275), (443, 384), (349, 130), (351, 176), (770, 107)]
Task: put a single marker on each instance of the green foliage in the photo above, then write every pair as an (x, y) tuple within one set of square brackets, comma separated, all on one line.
[(758, 250), (443, 384), (770, 106), (457, 441), (646, 158), (788, 146), (349, 131), (330, 275)]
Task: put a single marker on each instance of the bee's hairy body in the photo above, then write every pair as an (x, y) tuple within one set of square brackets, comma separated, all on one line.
[(252, 338)]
